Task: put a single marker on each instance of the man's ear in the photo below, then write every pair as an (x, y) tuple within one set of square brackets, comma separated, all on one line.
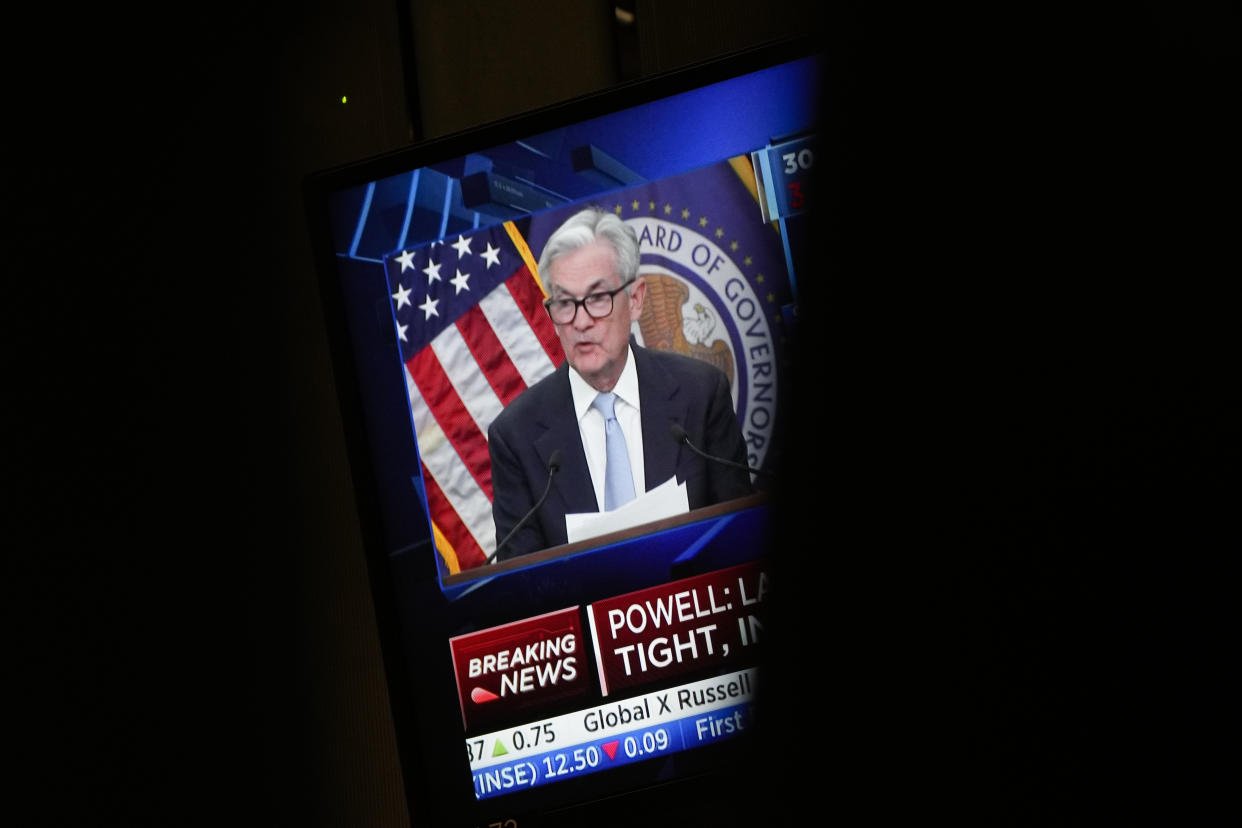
[(637, 293)]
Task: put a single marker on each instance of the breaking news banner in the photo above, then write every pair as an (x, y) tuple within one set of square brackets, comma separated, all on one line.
[(520, 668), (673, 630), (607, 736)]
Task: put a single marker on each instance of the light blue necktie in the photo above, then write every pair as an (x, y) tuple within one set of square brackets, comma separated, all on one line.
[(618, 480)]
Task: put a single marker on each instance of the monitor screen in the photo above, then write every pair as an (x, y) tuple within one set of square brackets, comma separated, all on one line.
[(546, 654)]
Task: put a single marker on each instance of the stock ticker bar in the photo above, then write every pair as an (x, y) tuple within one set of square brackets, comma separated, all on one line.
[(576, 744), (667, 637)]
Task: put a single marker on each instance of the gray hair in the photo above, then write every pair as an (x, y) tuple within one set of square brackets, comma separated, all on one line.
[(590, 225)]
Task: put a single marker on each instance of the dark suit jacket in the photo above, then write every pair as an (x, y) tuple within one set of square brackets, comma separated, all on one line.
[(673, 389)]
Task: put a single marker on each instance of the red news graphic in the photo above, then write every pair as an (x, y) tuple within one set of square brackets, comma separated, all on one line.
[(679, 628), (520, 668)]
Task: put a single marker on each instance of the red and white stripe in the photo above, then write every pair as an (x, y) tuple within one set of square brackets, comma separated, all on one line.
[(457, 385)]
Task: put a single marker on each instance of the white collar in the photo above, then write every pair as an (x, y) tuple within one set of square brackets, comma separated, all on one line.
[(626, 388)]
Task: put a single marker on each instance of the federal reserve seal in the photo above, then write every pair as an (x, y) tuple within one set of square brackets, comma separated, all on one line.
[(700, 303)]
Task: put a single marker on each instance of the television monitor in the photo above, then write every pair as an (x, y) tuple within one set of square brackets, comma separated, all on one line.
[(618, 672)]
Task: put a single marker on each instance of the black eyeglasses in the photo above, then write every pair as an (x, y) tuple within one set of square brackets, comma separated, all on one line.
[(563, 309)]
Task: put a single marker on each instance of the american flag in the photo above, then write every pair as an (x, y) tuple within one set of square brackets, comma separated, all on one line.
[(473, 335)]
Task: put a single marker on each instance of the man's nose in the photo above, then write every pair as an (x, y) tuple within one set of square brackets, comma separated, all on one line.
[(582, 319)]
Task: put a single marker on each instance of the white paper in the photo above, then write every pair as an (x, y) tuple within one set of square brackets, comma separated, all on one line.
[(664, 501)]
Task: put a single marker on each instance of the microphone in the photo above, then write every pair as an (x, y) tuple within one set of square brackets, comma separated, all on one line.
[(554, 465), (680, 435)]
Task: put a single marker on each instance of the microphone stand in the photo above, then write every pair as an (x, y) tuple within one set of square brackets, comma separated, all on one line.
[(554, 465), (680, 435)]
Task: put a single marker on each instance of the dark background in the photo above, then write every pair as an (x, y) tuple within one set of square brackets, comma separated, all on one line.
[(1028, 359)]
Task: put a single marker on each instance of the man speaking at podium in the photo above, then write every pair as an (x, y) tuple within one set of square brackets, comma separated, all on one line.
[(615, 419)]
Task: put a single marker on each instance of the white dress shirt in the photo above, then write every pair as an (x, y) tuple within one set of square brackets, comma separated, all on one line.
[(591, 426)]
